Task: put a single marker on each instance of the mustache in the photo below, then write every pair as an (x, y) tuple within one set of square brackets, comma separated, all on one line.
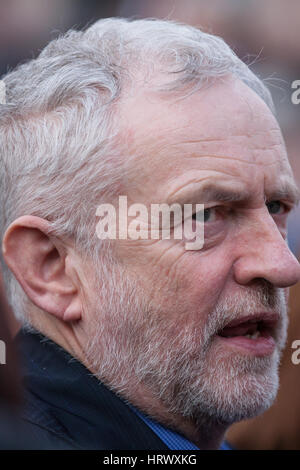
[(260, 297)]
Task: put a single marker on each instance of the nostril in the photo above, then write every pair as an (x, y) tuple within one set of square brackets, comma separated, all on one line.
[(278, 267)]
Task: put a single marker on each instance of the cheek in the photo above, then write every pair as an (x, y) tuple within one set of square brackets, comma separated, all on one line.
[(205, 280), (181, 285), (190, 291)]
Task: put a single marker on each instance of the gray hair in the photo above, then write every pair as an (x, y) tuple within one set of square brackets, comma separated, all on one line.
[(61, 152)]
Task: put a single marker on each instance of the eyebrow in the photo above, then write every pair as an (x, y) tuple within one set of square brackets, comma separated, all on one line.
[(289, 191), (219, 192)]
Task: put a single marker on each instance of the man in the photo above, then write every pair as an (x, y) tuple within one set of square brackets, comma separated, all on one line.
[(135, 342)]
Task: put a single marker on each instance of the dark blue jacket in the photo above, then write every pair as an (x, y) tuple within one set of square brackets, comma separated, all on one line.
[(67, 407)]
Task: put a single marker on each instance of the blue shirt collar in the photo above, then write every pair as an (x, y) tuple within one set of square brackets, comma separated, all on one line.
[(172, 439)]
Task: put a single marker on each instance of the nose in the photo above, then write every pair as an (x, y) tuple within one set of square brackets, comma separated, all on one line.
[(264, 254)]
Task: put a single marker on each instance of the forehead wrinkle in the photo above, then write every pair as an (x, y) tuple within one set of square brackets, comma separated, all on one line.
[(251, 141), (221, 138), (169, 138), (251, 151), (228, 158), (208, 187), (229, 139)]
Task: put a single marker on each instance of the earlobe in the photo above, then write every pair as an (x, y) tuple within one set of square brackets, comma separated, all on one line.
[(38, 261), (73, 311)]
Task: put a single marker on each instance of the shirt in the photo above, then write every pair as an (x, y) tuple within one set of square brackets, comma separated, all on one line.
[(172, 439)]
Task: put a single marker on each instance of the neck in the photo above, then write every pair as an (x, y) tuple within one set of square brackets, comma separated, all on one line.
[(203, 431)]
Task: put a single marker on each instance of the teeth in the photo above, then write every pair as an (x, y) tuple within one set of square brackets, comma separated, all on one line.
[(254, 335)]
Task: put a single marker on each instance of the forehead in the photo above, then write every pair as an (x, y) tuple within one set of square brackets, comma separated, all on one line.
[(223, 132)]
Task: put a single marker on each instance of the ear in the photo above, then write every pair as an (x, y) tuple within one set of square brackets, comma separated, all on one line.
[(44, 267)]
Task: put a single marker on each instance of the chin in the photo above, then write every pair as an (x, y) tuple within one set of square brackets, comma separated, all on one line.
[(226, 389), (242, 391)]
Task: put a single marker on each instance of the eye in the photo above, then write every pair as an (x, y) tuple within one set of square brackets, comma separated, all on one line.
[(208, 215), (276, 207)]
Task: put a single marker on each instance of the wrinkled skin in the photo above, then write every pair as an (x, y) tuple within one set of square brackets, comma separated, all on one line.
[(166, 339)]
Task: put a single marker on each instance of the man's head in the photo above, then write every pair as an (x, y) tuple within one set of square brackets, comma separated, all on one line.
[(161, 113)]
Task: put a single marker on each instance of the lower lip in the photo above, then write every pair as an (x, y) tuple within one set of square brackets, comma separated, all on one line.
[(262, 346)]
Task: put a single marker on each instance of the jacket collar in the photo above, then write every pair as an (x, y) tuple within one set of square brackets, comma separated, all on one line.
[(63, 396)]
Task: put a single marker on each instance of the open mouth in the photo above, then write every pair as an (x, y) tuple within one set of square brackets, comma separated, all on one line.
[(254, 333)]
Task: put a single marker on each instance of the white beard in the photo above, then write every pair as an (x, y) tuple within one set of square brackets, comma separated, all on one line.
[(132, 341)]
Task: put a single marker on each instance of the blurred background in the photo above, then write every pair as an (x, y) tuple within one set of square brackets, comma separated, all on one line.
[(263, 33)]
